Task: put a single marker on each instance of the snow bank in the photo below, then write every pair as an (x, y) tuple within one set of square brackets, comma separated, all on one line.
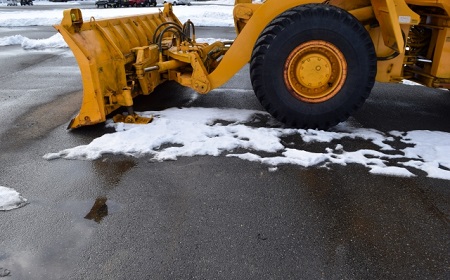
[(205, 15)]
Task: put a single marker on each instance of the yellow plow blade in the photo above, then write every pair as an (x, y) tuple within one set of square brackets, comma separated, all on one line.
[(107, 52)]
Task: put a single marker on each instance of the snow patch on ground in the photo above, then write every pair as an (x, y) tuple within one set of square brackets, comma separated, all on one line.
[(55, 41), (410, 83), (242, 134), (10, 199)]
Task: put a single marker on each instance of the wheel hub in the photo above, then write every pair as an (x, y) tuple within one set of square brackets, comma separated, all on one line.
[(315, 71)]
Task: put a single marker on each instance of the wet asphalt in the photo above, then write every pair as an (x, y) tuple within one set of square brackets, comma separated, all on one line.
[(206, 217)]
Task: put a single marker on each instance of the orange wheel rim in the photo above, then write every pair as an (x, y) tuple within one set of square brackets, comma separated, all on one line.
[(315, 71)]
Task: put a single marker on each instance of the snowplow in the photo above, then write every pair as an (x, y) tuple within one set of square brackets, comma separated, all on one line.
[(312, 63)]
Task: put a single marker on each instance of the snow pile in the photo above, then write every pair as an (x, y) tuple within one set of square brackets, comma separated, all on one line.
[(55, 41), (12, 40), (242, 134), (10, 199)]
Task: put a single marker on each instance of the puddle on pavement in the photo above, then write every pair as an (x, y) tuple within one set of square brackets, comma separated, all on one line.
[(83, 217), (96, 210), (111, 170)]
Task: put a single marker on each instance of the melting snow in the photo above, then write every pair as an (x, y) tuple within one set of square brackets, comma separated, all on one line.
[(10, 199), (241, 133), (55, 41)]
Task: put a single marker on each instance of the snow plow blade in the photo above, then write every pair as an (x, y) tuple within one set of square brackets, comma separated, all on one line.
[(118, 60)]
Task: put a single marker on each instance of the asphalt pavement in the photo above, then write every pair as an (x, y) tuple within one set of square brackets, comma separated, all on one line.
[(206, 217)]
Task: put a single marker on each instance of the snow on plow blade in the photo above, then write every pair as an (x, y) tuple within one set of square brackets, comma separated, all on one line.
[(112, 55)]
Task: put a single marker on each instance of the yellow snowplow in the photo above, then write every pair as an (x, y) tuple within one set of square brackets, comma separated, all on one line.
[(312, 63)]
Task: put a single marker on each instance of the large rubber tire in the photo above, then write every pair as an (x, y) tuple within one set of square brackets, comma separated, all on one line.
[(313, 37)]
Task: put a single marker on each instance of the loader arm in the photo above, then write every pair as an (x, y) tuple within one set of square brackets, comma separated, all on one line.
[(256, 18)]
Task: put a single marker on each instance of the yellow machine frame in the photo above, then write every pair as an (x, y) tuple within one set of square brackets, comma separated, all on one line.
[(119, 58)]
